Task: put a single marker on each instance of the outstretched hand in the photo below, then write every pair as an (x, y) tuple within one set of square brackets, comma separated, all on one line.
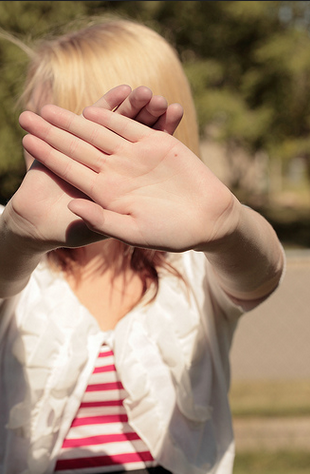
[(130, 182), (39, 211)]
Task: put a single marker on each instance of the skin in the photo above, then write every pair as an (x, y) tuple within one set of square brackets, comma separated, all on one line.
[(105, 175), (121, 183), (41, 190), (47, 191)]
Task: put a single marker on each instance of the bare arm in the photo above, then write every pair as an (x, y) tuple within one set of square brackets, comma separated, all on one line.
[(17, 259), (37, 218), (249, 260), (147, 189)]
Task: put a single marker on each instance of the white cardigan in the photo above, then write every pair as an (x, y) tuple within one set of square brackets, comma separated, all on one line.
[(172, 357)]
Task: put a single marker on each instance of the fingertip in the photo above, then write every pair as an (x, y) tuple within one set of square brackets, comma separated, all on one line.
[(28, 141), (23, 117), (122, 87), (119, 94), (91, 213), (48, 111), (24, 141), (174, 115), (142, 94), (92, 112), (87, 110), (158, 105), (176, 109), (169, 121), (114, 97), (143, 90)]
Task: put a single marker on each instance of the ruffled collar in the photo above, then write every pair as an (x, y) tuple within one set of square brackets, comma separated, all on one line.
[(154, 351), (155, 347), (52, 346)]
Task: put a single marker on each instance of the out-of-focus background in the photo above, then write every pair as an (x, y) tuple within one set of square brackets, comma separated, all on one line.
[(249, 67)]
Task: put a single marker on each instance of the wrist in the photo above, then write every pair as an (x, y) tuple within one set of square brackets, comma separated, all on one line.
[(248, 261), (17, 259), (15, 236), (227, 229)]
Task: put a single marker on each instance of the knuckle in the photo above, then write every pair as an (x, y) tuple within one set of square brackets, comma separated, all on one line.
[(72, 148), (94, 135), (66, 172)]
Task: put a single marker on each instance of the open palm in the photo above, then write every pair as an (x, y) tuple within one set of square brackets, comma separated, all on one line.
[(40, 207), (142, 186)]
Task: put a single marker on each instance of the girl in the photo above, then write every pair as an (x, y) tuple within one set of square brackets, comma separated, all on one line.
[(125, 266)]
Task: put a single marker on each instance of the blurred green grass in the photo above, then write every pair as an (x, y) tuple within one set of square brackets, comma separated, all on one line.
[(289, 398), (271, 398), (280, 462)]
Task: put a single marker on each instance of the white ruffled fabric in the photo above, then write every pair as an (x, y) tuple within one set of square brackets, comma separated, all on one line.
[(167, 356), (51, 346)]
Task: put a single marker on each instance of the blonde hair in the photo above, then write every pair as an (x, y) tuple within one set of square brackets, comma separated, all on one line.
[(74, 70), (77, 68)]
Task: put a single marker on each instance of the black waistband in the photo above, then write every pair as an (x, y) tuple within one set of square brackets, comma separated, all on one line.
[(150, 470)]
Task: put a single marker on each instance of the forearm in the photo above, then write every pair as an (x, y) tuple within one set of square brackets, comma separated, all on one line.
[(249, 262), (17, 261)]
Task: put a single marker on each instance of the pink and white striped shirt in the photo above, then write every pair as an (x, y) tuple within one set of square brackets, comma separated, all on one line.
[(100, 439)]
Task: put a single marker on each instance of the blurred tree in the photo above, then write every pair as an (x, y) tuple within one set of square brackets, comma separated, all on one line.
[(25, 20), (248, 64)]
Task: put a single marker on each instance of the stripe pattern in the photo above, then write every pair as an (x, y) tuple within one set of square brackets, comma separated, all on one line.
[(100, 439)]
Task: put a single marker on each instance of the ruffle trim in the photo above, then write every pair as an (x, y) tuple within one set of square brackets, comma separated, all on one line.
[(155, 350), (153, 353), (53, 369)]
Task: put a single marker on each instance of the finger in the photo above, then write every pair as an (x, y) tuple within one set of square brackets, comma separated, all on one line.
[(65, 142), (169, 121), (74, 173), (106, 222), (114, 97), (86, 130), (152, 111), (91, 131), (124, 127), (136, 101)]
